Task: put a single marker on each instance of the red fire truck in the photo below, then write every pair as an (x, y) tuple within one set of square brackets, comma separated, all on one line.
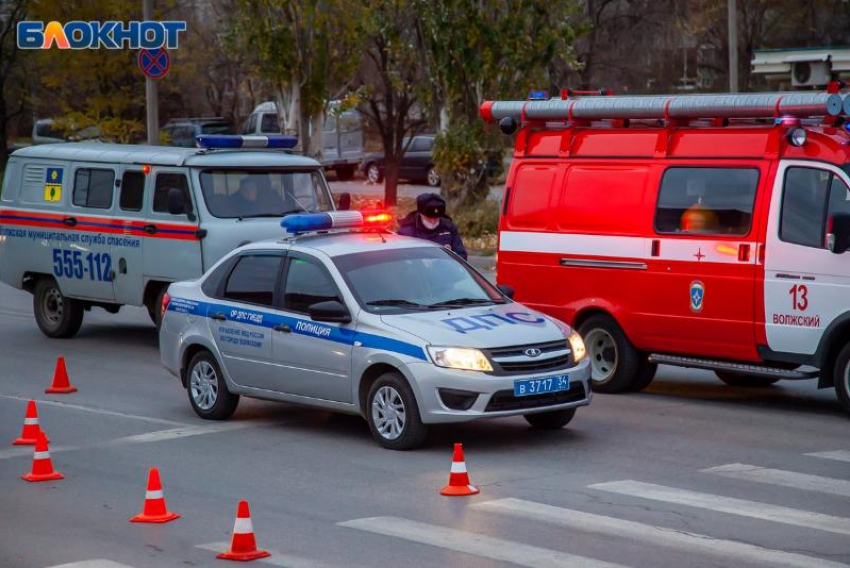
[(705, 231)]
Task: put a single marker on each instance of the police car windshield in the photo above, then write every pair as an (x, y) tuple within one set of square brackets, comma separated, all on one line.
[(413, 280), (239, 194)]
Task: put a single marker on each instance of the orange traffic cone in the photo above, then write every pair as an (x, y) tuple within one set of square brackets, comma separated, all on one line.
[(243, 547), (29, 434), (458, 478), (42, 467), (61, 384), (154, 510)]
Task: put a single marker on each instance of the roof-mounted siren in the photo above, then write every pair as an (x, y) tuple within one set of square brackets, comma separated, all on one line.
[(229, 141), (300, 223), (667, 107)]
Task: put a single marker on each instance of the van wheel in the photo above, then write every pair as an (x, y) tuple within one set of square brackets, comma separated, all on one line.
[(155, 309), (56, 315), (842, 377), (746, 381), (645, 374), (614, 361), (207, 388), (553, 420), (393, 414)]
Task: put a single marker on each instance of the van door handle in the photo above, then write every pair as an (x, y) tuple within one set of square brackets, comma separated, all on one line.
[(283, 327), (149, 229), (219, 316), (70, 221)]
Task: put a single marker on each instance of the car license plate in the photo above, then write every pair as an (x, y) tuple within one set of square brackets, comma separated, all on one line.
[(528, 387)]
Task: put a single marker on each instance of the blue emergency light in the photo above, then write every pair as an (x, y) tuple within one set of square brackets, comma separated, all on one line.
[(313, 222), (538, 96), (213, 141)]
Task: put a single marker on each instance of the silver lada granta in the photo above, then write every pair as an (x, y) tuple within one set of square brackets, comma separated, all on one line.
[(343, 315)]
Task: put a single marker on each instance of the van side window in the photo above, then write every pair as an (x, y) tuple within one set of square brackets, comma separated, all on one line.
[(809, 198), (706, 201), (253, 279), (132, 191), (164, 182), (93, 188)]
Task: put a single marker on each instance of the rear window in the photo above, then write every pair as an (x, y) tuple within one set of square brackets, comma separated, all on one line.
[(528, 206), (706, 201)]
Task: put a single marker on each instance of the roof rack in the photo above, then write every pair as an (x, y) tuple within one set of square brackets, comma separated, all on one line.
[(671, 107)]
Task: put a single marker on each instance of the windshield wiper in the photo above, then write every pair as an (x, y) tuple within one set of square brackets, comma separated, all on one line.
[(466, 302), (283, 214), (398, 303)]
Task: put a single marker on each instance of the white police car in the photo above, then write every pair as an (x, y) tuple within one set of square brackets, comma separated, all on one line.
[(364, 321)]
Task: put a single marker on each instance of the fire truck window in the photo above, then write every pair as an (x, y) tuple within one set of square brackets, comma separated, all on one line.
[(839, 198), (804, 201), (706, 201), (529, 200)]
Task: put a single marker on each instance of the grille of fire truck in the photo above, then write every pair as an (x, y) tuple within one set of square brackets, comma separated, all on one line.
[(505, 399), (553, 355), (672, 107)]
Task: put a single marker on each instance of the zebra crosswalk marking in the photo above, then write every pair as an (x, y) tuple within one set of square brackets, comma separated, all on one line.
[(785, 478), (838, 455)]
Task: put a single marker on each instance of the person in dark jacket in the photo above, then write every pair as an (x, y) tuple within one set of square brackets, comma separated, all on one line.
[(431, 223)]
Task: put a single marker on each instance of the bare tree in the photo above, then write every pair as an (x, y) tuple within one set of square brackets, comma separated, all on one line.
[(11, 12)]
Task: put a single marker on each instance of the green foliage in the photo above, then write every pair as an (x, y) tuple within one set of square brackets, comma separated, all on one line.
[(477, 219), (467, 156)]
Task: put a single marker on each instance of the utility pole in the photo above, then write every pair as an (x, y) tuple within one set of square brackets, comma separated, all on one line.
[(733, 47), (150, 89)]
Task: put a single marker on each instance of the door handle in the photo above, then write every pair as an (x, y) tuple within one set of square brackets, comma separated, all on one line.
[(149, 229), (70, 221), (219, 316), (283, 327)]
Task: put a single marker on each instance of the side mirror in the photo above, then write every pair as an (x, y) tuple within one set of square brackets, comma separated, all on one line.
[(506, 290), (838, 234), (176, 202), (332, 311)]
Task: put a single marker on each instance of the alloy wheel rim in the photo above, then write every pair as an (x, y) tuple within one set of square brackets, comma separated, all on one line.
[(204, 385), (603, 354), (388, 413), (374, 174), (53, 306), (433, 178)]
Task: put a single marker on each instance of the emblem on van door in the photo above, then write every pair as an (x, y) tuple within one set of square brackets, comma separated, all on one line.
[(533, 352), (697, 293)]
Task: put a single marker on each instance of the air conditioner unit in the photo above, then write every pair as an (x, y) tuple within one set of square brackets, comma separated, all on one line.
[(810, 73)]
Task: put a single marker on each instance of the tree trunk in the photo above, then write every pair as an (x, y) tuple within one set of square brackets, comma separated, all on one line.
[(4, 140), (391, 181), (316, 143)]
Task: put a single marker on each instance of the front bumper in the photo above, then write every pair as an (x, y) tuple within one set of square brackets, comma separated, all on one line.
[(492, 400)]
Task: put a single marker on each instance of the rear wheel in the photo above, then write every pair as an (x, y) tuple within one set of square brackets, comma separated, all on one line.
[(553, 420), (614, 361), (373, 173), (57, 316), (842, 377), (393, 415), (207, 388), (155, 308), (432, 177), (746, 381)]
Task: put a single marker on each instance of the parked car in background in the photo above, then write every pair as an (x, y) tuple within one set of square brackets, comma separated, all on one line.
[(417, 164), (342, 136), (182, 131), (51, 131)]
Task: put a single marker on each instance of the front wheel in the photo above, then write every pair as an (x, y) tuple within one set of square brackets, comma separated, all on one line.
[(207, 388), (432, 177), (373, 173), (746, 381), (57, 316), (842, 377), (552, 420), (614, 361), (393, 415)]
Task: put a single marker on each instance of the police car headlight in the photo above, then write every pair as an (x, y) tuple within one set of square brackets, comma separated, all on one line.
[(577, 345), (459, 358)]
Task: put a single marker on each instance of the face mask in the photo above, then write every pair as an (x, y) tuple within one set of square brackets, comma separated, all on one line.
[(430, 223)]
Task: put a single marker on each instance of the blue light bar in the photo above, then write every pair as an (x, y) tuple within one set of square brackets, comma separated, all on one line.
[(311, 222), (213, 141), (538, 96)]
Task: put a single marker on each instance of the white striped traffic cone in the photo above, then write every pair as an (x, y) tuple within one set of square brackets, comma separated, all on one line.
[(42, 466), (243, 546), (29, 434), (154, 510), (458, 478)]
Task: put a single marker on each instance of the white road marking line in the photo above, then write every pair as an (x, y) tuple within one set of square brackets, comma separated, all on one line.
[(276, 559), (147, 437), (651, 534), (473, 543), (94, 410), (97, 563), (838, 455), (732, 506), (784, 478)]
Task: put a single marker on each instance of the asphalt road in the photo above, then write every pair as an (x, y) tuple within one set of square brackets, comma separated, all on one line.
[(626, 483)]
